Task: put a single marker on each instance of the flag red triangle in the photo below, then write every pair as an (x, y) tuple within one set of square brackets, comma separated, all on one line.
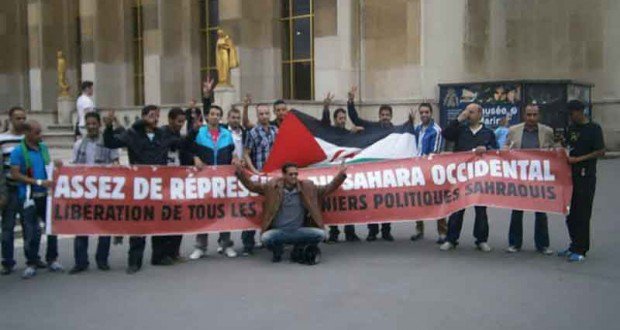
[(294, 143)]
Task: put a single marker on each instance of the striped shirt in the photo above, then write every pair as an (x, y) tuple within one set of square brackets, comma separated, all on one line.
[(429, 138), (260, 143), (8, 142)]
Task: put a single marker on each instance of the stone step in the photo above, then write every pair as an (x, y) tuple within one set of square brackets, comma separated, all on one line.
[(60, 128), (43, 117), (59, 139)]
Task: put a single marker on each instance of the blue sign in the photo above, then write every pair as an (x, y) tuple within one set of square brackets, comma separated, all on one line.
[(500, 102)]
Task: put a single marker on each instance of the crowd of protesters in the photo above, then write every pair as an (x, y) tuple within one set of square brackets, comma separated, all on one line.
[(291, 216)]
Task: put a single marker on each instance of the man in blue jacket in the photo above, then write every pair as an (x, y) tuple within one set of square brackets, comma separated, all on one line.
[(212, 145), (430, 141), (469, 133)]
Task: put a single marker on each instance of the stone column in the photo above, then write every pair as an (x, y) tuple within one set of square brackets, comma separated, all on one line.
[(171, 53), (52, 26), (14, 57), (107, 45), (336, 47)]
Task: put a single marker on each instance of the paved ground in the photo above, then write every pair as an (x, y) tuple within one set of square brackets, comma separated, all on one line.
[(380, 285)]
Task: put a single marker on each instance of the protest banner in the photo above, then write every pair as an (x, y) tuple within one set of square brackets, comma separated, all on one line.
[(144, 200)]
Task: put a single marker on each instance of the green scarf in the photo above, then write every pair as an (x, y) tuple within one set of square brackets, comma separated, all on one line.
[(42, 148)]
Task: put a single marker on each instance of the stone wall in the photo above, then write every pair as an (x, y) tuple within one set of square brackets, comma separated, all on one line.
[(14, 56)]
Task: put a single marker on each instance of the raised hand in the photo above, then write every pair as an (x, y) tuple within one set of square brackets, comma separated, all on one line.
[(328, 99), (464, 115), (352, 93), (207, 86), (247, 100)]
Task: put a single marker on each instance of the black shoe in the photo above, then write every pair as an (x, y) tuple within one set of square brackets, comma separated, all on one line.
[(165, 261), (77, 270), (311, 255), (277, 257), (352, 238), (417, 237), (297, 253), (371, 237), (247, 251), (333, 238), (387, 237), (132, 269), (277, 253), (6, 270), (40, 264), (104, 267)]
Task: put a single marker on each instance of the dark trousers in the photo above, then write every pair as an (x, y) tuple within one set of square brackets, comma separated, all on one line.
[(349, 230), (247, 237), (175, 246), (165, 246), (12, 208), (136, 250), (481, 225), (80, 250), (373, 228), (33, 216), (541, 230), (578, 220)]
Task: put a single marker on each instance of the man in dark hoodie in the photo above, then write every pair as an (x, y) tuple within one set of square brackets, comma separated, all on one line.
[(384, 123), (146, 144), (176, 121)]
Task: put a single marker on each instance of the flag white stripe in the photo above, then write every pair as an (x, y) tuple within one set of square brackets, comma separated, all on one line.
[(393, 146)]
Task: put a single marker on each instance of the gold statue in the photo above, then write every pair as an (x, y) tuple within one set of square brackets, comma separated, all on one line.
[(63, 86), (225, 58)]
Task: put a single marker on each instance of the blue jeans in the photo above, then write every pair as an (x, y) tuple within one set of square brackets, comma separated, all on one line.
[(32, 233), (541, 230), (9, 217), (481, 226), (277, 238), (80, 251)]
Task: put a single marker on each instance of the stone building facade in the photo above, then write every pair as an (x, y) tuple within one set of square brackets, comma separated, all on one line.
[(396, 51)]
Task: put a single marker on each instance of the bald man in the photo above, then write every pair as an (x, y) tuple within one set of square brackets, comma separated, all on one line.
[(28, 167), (469, 134)]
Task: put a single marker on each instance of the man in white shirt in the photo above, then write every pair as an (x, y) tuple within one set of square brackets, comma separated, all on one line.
[(84, 105)]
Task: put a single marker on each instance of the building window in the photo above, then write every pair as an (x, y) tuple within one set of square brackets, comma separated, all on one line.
[(298, 49), (138, 51), (209, 24)]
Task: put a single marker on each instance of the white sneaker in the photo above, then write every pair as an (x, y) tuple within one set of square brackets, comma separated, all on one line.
[(484, 247), (55, 267), (546, 251), (447, 246), (29, 272), (230, 252), (512, 249), (220, 250), (197, 254)]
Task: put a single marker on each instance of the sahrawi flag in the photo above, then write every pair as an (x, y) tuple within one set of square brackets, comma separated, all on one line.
[(305, 140)]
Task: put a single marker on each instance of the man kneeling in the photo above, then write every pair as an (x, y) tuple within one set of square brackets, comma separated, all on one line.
[(291, 212)]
